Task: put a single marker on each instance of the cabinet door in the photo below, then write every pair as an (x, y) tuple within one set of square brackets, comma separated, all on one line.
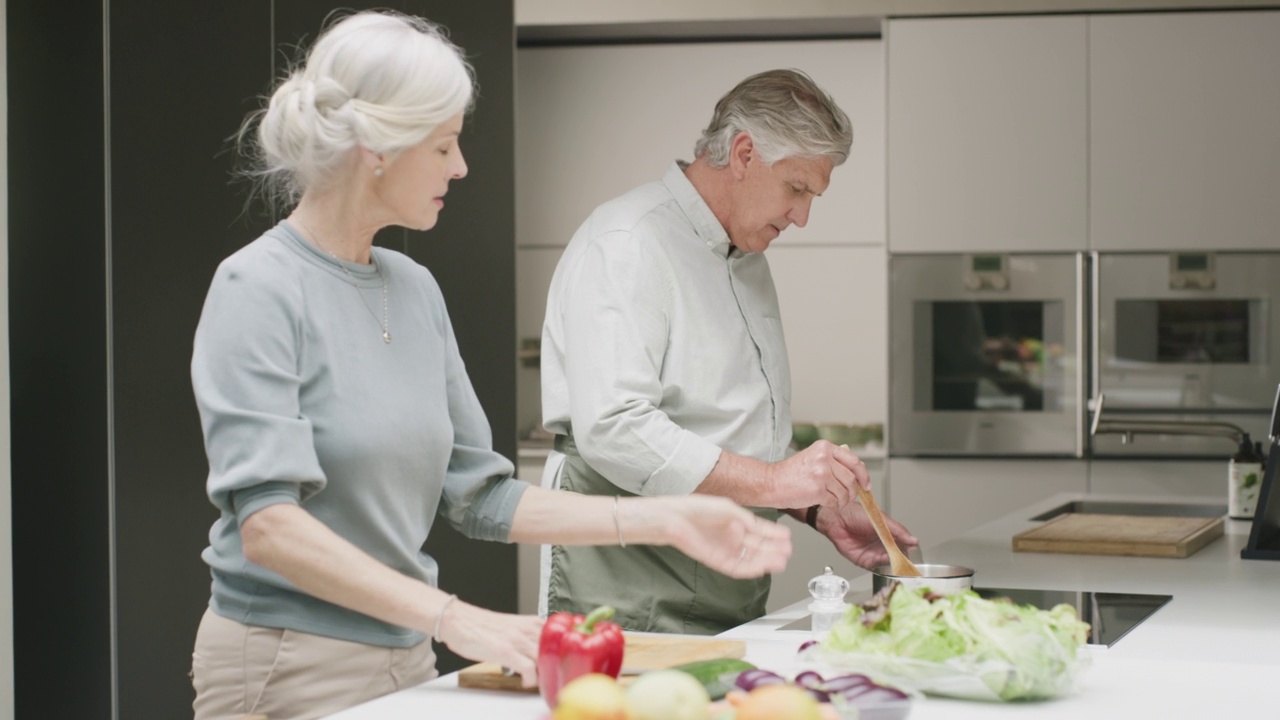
[(834, 310), (939, 500), (987, 134), (1185, 131)]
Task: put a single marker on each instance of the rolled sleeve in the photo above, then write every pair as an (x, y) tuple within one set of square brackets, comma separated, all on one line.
[(252, 499)]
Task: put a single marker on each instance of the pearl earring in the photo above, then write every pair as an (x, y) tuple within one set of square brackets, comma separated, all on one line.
[(377, 172)]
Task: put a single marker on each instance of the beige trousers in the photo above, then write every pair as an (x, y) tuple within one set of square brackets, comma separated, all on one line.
[(289, 675)]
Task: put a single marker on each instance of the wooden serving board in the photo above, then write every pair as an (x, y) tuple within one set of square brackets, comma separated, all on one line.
[(644, 651), (1086, 534)]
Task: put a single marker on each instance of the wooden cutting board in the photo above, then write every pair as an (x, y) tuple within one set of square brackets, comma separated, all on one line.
[(1085, 534), (643, 652)]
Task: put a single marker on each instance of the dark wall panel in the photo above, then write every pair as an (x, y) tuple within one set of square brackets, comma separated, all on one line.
[(58, 361), (182, 77)]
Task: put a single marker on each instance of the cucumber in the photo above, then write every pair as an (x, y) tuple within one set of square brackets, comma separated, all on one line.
[(716, 676)]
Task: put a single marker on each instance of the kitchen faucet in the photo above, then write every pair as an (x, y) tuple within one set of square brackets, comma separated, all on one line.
[(1127, 427)]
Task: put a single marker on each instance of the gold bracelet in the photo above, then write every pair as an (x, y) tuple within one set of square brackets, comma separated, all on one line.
[(616, 523), (440, 617)]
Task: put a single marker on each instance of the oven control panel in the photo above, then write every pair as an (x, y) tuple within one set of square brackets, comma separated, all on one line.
[(986, 272), (1191, 271)]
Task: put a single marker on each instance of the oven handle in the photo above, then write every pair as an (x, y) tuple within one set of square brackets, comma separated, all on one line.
[(1082, 350), (1094, 306)]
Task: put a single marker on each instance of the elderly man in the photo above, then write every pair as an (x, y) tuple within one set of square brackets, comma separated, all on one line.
[(664, 368)]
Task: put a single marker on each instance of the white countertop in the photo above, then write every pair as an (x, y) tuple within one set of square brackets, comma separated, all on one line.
[(1210, 652)]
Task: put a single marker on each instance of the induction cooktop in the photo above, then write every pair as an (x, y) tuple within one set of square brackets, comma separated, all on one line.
[(1110, 615)]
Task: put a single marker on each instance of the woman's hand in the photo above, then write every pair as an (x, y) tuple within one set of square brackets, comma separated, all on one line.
[(486, 636), (716, 532)]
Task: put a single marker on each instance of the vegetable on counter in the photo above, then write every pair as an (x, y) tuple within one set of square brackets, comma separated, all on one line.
[(667, 695), (594, 696), (960, 645), (716, 676), (872, 700), (575, 645)]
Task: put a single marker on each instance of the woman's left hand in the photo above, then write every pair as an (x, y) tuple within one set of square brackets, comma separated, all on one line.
[(724, 536)]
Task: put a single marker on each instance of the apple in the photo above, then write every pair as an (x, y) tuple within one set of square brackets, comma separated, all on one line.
[(594, 696)]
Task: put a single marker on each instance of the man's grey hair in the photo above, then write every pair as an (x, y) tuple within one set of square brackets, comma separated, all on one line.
[(785, 113)]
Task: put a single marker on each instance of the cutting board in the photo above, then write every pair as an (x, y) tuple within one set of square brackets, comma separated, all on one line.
[(1086, 534), (643, 652)]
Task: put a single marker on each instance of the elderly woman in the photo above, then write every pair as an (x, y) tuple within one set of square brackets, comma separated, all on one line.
[(339, 419)]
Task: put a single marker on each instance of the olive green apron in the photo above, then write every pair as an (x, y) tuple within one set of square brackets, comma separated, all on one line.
[(654, 589)]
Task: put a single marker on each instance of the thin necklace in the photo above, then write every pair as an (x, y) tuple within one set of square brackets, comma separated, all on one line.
[(385, 322)]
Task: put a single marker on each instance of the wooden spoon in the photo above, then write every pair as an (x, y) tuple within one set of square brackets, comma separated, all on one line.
[(898, 562)]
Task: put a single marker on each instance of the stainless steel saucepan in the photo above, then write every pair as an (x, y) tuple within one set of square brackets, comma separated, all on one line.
[(941, 579)]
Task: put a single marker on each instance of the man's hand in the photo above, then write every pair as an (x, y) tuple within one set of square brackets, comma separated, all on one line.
[(821, 474), (851, 531)]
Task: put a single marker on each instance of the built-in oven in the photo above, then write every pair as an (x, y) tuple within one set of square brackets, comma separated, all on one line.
[(1186, 336), (986, 355)]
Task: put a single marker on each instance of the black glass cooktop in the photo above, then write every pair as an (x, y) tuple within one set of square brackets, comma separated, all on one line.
[(1110, 615)]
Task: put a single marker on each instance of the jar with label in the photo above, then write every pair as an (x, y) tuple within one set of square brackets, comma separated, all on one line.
[(1244, 481)]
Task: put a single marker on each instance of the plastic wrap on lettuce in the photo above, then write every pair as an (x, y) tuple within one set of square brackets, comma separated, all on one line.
[(959, 645)]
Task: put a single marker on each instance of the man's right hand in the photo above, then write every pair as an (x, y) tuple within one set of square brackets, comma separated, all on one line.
[(821, 474)]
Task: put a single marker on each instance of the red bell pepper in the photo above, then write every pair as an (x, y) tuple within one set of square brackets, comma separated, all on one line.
[(573, 645)]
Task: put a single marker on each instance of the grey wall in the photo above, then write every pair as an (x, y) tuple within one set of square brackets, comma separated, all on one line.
[(122, 212)]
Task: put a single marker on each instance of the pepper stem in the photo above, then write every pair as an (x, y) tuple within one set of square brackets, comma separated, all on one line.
[(588, 626)]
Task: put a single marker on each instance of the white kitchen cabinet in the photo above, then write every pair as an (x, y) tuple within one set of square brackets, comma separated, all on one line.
[(941, 499), (534, 268), (596, 121), (987, 134), (1184, 131), (1160, 479), (835, 314)]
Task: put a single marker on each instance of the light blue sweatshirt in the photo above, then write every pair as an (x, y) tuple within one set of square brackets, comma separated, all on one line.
[(302, 402)]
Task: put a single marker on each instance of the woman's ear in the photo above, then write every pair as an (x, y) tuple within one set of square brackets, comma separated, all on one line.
[(371, 161)]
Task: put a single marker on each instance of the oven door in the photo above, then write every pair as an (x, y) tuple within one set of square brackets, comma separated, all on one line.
[(985, 355), (1185, 336)]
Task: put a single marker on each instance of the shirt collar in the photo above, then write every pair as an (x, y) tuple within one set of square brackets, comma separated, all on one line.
[(704, 222)]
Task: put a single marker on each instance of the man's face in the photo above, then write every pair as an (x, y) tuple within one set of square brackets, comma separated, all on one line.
[(770, 198)]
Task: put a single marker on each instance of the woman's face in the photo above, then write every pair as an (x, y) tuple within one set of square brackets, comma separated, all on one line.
[(414, 182)]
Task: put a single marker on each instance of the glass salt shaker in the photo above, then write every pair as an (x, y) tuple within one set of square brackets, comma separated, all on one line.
[(828, 606)]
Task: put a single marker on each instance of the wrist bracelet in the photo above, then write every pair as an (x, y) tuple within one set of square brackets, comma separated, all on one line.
[(440, 617), (811, 516), (617, 523)]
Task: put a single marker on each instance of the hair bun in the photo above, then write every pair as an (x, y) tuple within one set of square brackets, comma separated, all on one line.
[(326, 94)]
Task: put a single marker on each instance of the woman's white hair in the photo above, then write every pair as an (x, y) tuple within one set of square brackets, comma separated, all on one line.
[(785, 113), (376, 79)]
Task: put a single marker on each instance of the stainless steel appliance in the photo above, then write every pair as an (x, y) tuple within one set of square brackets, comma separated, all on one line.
[(986, 355), (1186, 338)]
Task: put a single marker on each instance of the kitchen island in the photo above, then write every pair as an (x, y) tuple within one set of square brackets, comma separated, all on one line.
[(1212, 651)]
